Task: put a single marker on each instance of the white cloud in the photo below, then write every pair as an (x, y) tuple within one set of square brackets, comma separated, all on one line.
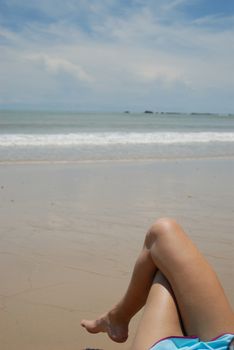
[(173, 4), (166, 74), (56, 65), (214, 20), (128, 57)]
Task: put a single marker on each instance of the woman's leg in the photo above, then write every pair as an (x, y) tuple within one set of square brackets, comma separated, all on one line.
[(145, 279), (202, 303), (115, 322), (160, 317)]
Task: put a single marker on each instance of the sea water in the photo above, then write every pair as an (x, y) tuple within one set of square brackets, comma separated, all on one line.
[(69, 136)]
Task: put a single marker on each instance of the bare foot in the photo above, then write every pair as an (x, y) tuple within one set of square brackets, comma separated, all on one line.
[(108, 323)]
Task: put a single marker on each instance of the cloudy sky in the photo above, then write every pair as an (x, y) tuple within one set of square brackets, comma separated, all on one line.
[(113, 55)]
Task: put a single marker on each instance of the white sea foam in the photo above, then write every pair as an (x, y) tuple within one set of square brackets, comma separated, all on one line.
[(112, 138)]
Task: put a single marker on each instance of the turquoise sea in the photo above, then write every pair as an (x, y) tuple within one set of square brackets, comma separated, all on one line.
[(69, 136)]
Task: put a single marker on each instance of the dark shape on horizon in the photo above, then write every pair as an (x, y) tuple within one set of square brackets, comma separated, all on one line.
[(91, 349), (127, 112), (148, 112)]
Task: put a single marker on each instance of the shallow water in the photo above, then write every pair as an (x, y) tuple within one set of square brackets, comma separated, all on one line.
[(54, 136)]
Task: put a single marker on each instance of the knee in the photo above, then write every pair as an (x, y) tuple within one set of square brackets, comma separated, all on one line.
[(162, 228)]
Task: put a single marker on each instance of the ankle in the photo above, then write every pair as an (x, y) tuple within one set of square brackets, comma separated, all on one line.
[(118, 314)]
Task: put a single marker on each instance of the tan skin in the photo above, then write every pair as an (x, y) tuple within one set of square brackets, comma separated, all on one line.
[(179, 289)]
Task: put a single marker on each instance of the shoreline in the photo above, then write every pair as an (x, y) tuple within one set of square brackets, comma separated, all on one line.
[(126, 160)]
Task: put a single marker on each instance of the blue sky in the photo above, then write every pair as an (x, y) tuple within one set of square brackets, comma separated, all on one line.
[(165, 55)]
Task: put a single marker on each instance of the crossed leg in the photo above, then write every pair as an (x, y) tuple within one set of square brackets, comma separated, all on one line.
[(160, 318), (202, 304)]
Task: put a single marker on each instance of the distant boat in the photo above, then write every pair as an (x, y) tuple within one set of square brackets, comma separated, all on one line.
[(148, 112)]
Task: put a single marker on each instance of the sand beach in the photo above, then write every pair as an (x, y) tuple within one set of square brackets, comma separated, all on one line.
[(70, 233)]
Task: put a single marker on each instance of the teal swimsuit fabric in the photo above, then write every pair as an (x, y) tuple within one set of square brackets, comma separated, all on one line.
[(193, 343)]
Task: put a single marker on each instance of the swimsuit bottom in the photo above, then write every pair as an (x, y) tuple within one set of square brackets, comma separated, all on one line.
[(193, 343)]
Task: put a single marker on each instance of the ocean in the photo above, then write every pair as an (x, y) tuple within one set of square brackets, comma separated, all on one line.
[(27, 136)]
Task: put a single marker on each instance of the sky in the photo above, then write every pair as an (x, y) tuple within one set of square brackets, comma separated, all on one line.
[(116, 55)]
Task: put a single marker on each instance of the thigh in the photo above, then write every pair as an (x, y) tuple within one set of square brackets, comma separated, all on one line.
[(160, 317), (203, 305)]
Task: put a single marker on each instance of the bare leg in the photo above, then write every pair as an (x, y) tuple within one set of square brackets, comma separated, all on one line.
[(202, 303), (115, 322), (160, 317)]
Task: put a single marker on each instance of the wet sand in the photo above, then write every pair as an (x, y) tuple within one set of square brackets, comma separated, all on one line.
[(70, 234)]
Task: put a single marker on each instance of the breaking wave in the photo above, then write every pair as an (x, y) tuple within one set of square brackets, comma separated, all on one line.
[(112, 138)]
